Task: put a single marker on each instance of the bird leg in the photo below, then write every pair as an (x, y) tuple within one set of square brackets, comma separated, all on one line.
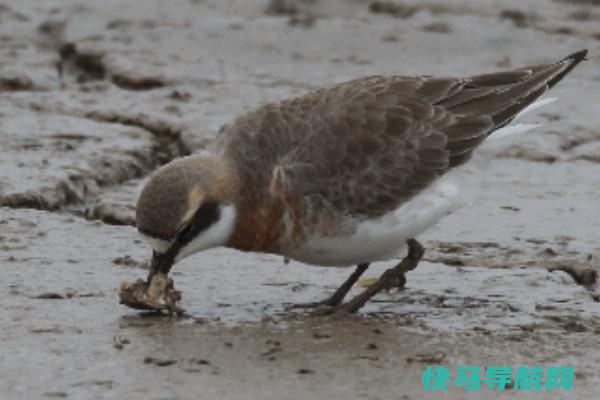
[(393, 277), (338, 296)]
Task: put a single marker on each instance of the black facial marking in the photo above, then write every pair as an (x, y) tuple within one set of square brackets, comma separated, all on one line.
[(204, 217)]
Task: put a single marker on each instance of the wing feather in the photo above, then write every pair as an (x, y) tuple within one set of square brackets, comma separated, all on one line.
[(366, 146)]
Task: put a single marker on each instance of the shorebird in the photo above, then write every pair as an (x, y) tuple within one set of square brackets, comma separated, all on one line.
[(343, 176)]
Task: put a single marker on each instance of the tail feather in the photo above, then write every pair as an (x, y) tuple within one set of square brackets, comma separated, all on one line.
[(497, 99), (507, 95), (572, 61)]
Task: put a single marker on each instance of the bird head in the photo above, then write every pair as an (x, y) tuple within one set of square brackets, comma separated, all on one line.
[(186, 207)]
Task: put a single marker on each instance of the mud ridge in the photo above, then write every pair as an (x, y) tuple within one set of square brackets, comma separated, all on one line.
[(49, 199), (112, 214), (82, 185), (84, 64), (166, 135), (299, 13), (17, 84), (78, 188), (161, 130), (523, 152), (397, 10)]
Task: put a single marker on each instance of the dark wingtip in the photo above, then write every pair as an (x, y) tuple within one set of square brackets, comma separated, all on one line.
[(578, 56), (573, 60)]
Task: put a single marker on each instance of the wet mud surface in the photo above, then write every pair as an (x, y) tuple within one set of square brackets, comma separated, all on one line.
[(93, 97)]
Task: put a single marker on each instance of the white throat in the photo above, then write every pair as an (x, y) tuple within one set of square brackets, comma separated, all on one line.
[(216, 235), (158, 245)]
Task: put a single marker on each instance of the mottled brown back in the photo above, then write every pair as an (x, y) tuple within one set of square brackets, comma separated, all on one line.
[(364, 147)]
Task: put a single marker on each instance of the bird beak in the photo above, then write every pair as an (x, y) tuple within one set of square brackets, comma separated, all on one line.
[(161, 262)]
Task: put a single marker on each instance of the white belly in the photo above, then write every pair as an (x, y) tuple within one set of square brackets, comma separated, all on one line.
[(382, 238)]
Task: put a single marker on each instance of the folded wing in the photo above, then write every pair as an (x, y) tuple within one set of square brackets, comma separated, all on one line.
[(377, 142)]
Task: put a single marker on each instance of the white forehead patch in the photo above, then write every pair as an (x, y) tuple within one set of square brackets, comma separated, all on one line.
[(158, 245)]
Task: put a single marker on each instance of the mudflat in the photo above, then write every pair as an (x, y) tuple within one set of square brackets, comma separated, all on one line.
[(95, 96)]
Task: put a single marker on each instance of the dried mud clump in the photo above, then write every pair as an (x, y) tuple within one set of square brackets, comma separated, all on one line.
[(119, 23), (520, 152), (16, 83), (299, 12), (51, 34), (395, 9), (159, 362), (86, 65), (561, 30), (582, 15), (586, 276), (281, 7), (49, 199), (126, 261), (437, 27), (113, 214), (133, 82), (158, 128), (518, 18)]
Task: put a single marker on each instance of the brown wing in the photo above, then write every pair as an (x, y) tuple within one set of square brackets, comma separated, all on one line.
[(376, 142)]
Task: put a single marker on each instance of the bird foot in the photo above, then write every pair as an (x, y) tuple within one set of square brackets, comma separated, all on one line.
[(156, 295)]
